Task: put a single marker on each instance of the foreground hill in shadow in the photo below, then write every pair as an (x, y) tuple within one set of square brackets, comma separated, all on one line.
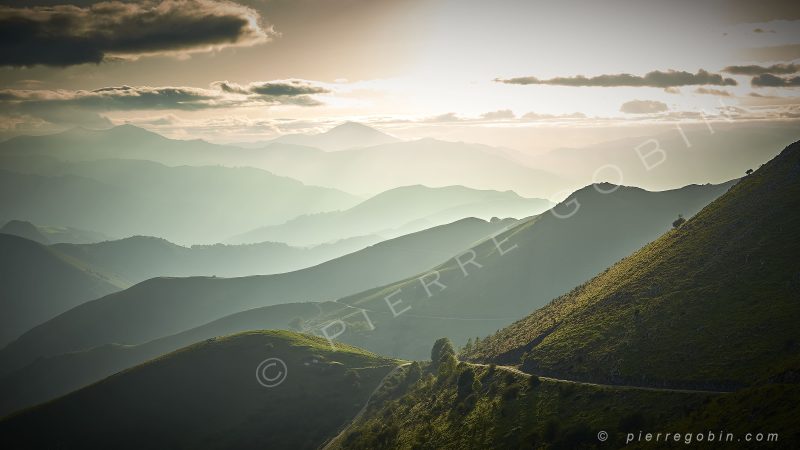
[(37, 283), (35, 382), (208, 396)]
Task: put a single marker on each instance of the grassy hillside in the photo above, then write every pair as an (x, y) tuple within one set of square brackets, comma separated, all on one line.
[(35, 382), (483, 407), (207, 396), (398, 211), (712, 303), (139, 258), (522, 269), (165, 306), (37, 283)]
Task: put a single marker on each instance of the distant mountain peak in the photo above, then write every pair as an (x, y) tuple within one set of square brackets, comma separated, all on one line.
[(344, 136)]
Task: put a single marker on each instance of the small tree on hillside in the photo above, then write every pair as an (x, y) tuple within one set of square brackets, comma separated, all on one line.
[(441, 348), (679, 221), (466, 379), (749, 171)]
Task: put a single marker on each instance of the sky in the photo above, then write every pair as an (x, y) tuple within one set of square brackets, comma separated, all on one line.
[(529, 75)]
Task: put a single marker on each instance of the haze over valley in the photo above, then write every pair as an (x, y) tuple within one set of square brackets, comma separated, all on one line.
[(427, 224)]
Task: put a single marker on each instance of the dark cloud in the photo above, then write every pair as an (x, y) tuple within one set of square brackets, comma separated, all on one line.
[(671, 78), (119, 98), (758, 70), (66, 35), (58, 106), (292, 91), (769, 80), (643, 107), (748, 11)]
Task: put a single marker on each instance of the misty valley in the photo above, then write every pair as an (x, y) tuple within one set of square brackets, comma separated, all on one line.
[(422, 224)]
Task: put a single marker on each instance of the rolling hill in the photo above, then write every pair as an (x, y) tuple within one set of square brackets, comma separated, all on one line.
[(53, 234), (381, 164), (630, 355), (183, 204), (711, 303), (139, 258), (396, 212), (164, 306), (37, 283), (121, 142), (521, 270), (210, 395), (24, 230), (428, 162), (35, 383)]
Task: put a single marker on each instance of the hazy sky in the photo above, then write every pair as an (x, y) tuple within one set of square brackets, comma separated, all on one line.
[(504, 72)]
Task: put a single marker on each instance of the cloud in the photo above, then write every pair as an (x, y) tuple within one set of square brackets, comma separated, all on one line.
[(442, 118), (710, 91), (292, 91), (643, 107), (503, 114), (67, 35), (759, 70), (671, 78), (533, 116), (769, 80), (56, 106)]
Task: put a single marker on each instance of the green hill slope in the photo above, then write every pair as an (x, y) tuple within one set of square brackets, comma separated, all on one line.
[(519, 271), (502, 409), (35, 382), (165, 306), (713, 303), (38, 283), (208, 396)]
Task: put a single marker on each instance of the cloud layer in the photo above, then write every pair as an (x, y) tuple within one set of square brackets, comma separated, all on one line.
[(82, 107), (659, 79), (67, 35), (293, 91), (643, 107), (769, 80), (760, 70)]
